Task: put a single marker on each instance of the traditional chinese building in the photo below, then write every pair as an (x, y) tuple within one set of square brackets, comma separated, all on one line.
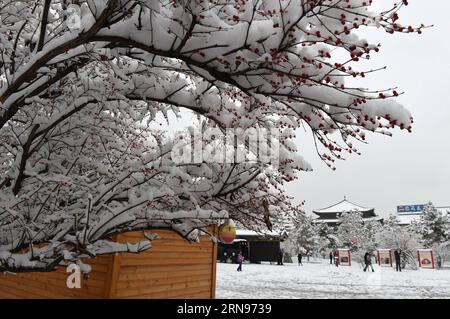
[(330, 215)]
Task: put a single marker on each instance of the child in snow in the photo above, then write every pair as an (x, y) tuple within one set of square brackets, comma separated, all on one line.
[(240, 259)]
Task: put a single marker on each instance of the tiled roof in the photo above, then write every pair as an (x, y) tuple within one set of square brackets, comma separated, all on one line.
[(342, 206)]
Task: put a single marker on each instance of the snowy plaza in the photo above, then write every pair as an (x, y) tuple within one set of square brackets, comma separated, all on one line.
[(319, 279)]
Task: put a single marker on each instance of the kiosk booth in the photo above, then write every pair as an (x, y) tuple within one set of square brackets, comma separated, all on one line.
[(426, 258), (384, 257)]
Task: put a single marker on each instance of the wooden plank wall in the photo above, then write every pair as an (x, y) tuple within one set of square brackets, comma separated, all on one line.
[(172, 268), (53, 284)]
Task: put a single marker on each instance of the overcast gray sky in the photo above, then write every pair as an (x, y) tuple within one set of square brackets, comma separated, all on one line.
[(408, 168)]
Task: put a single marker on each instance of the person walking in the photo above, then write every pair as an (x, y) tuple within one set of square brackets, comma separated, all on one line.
[(397, 255), (336, 258), (331, 257), (240, 260), (299, 256), (368, 261), (280, 257)]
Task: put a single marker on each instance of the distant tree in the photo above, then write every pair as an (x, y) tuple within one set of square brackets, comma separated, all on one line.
[(350, 229), (323, 230), (442, 251), (393, 236), (327, 237), (356, 234), (370, 229), (433, 226), (304, 236)]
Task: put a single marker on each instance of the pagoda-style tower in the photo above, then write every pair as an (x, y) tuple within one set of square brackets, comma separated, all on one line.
[(330, 215)]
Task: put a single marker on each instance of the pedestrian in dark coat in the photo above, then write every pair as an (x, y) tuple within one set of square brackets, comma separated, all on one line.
[(336, 258), (280, 257), (368, 261), (240, 260), (397, 255), (331, 257), (299, 256)]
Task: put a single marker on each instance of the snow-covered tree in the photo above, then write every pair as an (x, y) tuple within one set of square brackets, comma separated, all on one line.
[(82, 82), (355, 233), (327, 238), (394, 236), (350, 229), (442, 251), (371, 228), (433, 226), (304, 237)]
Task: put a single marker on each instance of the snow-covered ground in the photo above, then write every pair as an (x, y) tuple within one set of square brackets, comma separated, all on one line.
[(321, 280)]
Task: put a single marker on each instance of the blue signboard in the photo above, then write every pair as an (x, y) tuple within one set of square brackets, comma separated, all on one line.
[(410, 209)]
